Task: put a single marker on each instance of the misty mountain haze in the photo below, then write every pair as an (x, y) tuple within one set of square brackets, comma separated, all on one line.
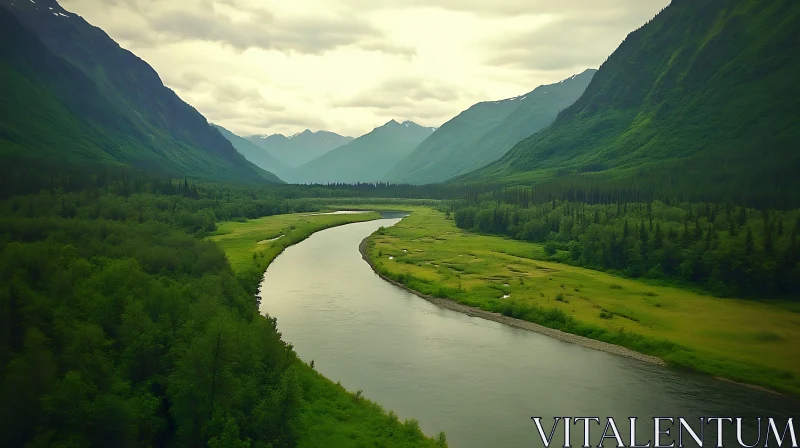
[(365, 159), (485, 131), (300, 148)]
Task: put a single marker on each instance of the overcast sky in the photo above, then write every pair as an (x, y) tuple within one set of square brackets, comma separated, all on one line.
[(268, 66)]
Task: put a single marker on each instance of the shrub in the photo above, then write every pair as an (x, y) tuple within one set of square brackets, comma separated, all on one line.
[(412, 425)]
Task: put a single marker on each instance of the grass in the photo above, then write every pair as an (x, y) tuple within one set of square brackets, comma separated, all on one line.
[(242, 240), (748, 341), (331, 415), (335, 417)]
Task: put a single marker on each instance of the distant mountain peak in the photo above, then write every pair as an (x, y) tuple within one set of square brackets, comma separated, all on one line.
[(305, 133), (588, 71), (367, 158), (301, 147)]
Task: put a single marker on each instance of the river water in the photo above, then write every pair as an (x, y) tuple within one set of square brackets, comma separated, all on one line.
[(478, 380)]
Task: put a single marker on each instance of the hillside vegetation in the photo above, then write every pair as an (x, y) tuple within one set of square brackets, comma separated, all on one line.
[(72, 94), (486, 131), (743, 340), (119, 327), (700, 98)]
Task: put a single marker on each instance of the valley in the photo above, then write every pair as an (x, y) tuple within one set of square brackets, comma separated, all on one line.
[(390, 224), (721, 337), (422, 359)]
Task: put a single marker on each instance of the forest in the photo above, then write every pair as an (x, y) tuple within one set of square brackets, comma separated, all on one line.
[(114, 334), (727, 249), (121, 326)]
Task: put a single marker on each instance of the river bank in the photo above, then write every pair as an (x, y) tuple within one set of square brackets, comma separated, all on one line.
[(518, 323), (747, 342), (478, 381), (333, 415)]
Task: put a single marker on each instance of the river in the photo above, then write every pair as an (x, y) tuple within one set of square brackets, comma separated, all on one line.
[(477, 380)]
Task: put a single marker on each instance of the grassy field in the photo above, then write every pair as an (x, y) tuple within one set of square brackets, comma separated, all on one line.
[(746, 341), (242, 240), (331, 416)]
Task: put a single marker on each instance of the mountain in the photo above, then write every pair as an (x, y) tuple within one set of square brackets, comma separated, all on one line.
[(704, 92), (72, 94), (437, 158), (300, 148), (260, 157), (365, 159), (486, 131)]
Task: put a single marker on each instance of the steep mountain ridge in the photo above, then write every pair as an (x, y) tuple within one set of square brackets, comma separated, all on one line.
[(107, 104), (704, 89), (485, 131), (367, 158)]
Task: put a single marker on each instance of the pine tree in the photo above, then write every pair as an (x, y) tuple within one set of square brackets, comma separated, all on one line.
[(658, 238)]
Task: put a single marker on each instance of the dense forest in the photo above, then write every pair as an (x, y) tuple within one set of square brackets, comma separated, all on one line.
[(727, 249), (120, 326), (117, 334)]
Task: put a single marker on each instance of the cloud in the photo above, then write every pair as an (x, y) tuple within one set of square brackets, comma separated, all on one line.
[(188, 80), (266, 66), (567, 41), (396, 92), (516, 7), (312, 35)]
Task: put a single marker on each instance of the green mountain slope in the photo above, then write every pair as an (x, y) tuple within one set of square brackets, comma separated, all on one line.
[(365, 159), (300, 148), (486, 131), (437, 158), (72, 94), (253, 153), (705, 91)]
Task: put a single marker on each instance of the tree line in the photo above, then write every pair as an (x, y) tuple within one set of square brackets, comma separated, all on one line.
[(727, 249), (120, 326), (124, 334)]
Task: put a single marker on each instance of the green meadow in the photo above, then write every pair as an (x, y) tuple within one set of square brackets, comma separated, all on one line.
[(331, 415), (742, 340), (259, 241)]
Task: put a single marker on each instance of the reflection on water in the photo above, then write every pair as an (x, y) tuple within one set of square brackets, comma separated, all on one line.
[(477, 380), (340, 212)]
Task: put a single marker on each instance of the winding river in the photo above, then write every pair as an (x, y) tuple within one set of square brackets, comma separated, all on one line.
[(477, 380)]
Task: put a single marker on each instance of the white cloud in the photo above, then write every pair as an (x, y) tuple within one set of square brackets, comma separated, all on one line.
[(257, 66)]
